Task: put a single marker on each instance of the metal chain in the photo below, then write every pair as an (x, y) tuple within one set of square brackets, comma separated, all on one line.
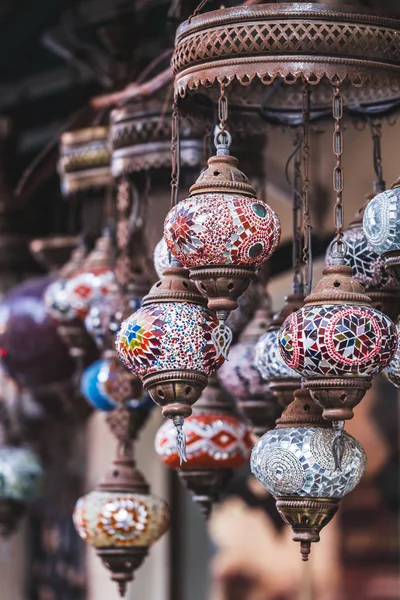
[(223, 138), (307, 249), (176, 153), (124, 201), (337, 113), (198, 9), (295, 183), (376, 133)]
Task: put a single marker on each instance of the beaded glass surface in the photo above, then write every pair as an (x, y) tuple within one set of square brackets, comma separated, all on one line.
[(169, 336), (85, 286), (161, 257), (92, 386), (239, 376), (392, 371), (298, 461), (367, 265), (222, 229), (57, 303), (381, 221), (105, 519), (212, 441), (268, 358), (333, 340), (20, 474)]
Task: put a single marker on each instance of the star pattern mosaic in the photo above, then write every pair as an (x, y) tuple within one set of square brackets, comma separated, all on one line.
[(222, 229), (212, 440), (298, 461), (367, 265), (164, 337), (333, 340)]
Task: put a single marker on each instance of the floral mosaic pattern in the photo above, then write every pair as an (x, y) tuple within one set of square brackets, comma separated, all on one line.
[(20, 474), (85, 286), (381, 221), (106, 520), (332, 340), (392, 371), (164, 337), (239, 376), (222, 229), (212, 440), (367, 265), (268, 358), (298, 461), (161, 257)]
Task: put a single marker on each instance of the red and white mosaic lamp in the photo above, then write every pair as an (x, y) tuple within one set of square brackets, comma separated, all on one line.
[(218, 440), (222, 232)]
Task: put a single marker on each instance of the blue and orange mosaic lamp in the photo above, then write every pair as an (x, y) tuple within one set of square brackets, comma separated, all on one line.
[(169, 344)]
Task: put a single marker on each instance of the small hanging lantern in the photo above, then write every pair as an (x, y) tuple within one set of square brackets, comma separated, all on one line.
[(296, 464), (55, 297), (222, 232), (368, 268), (218, 441), (121, 519), (381, 224), (338, 342), (21, 477), (94, 278), (281, 379), (242, 380), (93, 386), (169, 343), (392, 371)]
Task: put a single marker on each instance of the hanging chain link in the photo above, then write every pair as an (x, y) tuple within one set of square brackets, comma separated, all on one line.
[(198, 10), (222, 137), (307, 249), (376, 132), (295, 183), (337, 113), (176, 153), (124, 201)]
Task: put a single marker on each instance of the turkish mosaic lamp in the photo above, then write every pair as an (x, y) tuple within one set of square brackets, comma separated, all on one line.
[(222, 232), (218, 440), (161, 257), (392, 371), (21, 477), (338, 342), (298, 465), (381, 223), (169, 344), (121, 519), (93, 386), (282, 380), (368, 267), (93, 279), (243, 381), (55, 296)]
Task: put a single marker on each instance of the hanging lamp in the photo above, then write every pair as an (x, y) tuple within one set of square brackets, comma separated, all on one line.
[(295, 463), (241, 379), (169, 344), (218, 441)]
